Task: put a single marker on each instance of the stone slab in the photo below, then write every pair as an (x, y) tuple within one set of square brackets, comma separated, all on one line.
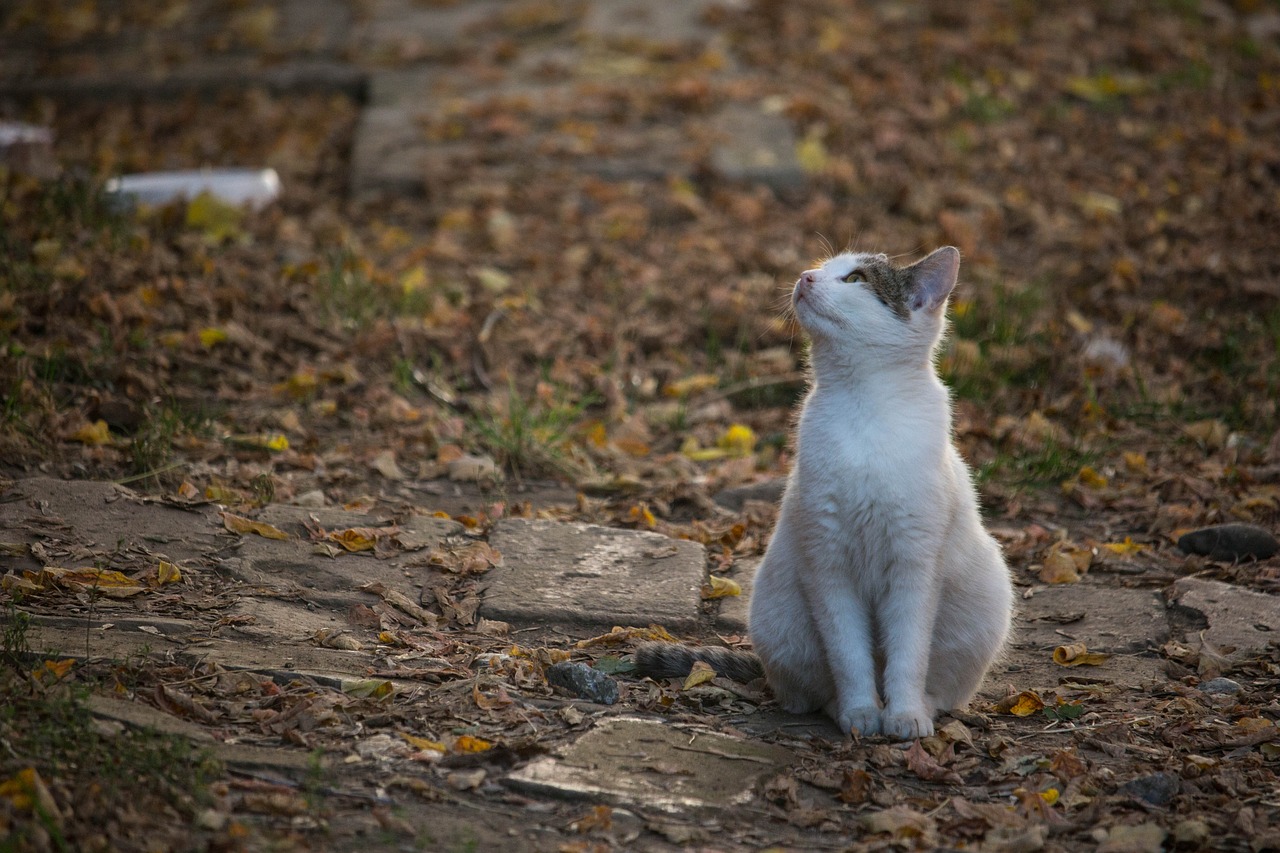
[(755, 146), (101, 515), (679, 22), (591, 577), (1238, 618), (635, 761), (1104, 618)]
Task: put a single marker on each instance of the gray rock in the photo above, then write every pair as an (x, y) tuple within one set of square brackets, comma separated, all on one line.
[(756, 147), (583, 682), (631, 761), (584, 576), (1220, 685), (1238, 618), (1158, 789), (1230, 543)]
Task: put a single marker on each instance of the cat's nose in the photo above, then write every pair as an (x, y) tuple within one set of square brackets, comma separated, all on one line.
[(807, 277)]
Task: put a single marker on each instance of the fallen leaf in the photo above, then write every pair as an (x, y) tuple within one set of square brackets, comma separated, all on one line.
[(168, 572), (1023, 704), (699, 674), (369, 688), (720, 587), (1077, 654), (900, 822), (928, 768), (238, 524), (423, 743), (1125, 548), (94, 434), (467, 743), (618, 636), (106, 582)]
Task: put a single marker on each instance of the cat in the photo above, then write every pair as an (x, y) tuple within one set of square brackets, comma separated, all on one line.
[(881, 598)]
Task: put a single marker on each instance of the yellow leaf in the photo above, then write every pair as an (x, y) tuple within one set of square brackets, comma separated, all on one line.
[(1077, 654), (422, 743), (108, 582), (690, 385), (237, 524), (1050, 796), (1059, 568), (467, 743), (1091, 478), (738, 440), (1027, 703), (94, 434), (217, 219), (57, 669), (700, 674), (211, 337), (369, 688), (707, 454), (1125, 548), (168, 573), (1136, 462), (275, 442), (811, 152), (641, 513), (720, 587), (622, 635), (354, 539)]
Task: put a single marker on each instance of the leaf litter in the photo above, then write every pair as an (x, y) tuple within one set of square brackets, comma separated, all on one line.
[(1114, 381)]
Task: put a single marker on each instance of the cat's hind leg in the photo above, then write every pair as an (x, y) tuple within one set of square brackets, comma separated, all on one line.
[(784, 635)]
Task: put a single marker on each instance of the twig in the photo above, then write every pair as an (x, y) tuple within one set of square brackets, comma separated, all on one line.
[(1051, 730)]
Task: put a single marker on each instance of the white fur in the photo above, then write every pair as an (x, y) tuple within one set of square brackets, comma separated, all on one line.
[(881, 598)]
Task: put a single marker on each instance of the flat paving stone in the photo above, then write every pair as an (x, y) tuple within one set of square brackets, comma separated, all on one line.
[(755, 146), (681, 21), (1105, 619), (591, 577), (99, 515), (1238, 618), (635, 761)]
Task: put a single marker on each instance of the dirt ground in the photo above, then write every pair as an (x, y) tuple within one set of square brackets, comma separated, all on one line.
[(617, 349)]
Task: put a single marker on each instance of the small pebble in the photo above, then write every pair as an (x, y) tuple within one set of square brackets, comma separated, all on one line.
[(584, 682), (1228, 543), (1157, 789), (1220, 685)]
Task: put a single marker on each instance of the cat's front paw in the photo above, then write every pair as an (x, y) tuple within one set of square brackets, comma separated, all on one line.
[(907, 725), (862, 722)]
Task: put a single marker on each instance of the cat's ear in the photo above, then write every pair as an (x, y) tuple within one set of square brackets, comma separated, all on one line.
[(933, 278)]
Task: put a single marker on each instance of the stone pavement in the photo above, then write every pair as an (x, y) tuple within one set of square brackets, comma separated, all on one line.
[(448, 86), (277, 605)]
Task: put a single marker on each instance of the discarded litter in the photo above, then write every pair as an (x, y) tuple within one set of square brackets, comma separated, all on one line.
[(255, 187)]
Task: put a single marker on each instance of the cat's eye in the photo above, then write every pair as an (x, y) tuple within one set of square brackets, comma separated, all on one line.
[(855, 276)]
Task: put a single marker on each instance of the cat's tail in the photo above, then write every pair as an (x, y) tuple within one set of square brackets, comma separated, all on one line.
[(672, 660)]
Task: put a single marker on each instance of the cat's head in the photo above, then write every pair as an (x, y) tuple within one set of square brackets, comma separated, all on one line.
[(865, 306)]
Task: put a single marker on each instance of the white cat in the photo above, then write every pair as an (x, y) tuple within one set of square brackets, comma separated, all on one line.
[(881, 599)]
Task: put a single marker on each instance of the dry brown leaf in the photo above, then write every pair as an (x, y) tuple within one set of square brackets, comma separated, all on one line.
[(239, 524), (1077, 654)]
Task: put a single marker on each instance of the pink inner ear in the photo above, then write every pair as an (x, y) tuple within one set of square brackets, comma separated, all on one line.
[(935, 278)]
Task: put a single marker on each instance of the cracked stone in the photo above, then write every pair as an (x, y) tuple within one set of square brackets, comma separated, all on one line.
[(634, 761), (583, 575), (1238, 618)]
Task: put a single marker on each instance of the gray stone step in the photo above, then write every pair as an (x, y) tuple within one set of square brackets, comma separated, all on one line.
[(587, 578)]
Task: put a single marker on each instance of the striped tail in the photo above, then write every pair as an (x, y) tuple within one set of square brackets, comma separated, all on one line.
[(672, 660)]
